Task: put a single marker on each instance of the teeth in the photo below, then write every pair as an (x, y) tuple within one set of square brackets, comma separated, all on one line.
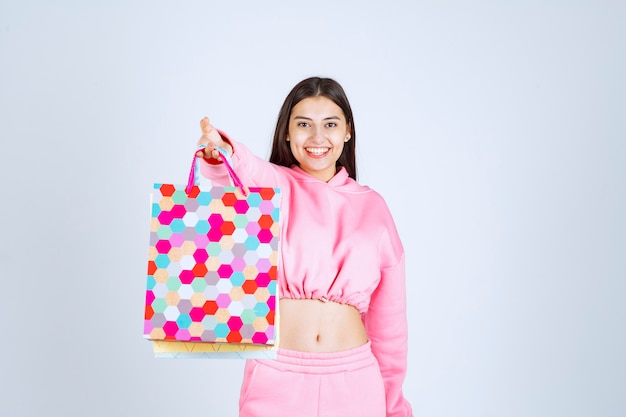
[(317, 151)]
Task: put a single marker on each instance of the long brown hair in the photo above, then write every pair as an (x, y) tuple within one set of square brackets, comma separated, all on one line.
[(314, 87)]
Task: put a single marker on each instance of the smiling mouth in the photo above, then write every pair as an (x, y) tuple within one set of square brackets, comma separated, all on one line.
[(317, 151)]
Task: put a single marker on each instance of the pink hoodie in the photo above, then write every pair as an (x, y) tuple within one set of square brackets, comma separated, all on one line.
[(338, 243)]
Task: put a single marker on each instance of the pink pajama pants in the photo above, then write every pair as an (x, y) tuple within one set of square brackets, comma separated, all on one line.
[(304, 384)]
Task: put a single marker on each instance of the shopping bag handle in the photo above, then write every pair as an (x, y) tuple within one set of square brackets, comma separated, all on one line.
[(194, 172)]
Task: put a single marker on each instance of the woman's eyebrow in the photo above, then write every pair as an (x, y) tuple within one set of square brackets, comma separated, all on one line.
[(326, 118)]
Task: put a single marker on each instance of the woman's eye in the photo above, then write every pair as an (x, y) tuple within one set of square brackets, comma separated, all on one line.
[(303, 124), (331, 124)]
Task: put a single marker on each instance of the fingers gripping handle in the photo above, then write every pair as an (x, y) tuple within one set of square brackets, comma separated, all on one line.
[(194, 172)]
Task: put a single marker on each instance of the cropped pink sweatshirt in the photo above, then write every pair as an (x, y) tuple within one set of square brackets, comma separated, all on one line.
[(338, 243)]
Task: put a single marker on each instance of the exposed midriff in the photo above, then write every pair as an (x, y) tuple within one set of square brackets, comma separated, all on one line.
[(308, 325)]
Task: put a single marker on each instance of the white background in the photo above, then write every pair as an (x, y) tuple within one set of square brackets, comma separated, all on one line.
[(496, 131)]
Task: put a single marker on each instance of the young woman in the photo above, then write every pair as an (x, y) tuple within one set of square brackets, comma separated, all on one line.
[(341, 280)]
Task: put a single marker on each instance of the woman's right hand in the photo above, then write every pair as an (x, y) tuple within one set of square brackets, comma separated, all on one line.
[(211, 139)]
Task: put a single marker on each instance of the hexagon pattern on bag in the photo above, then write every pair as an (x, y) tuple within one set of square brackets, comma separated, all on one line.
[(212, 265)]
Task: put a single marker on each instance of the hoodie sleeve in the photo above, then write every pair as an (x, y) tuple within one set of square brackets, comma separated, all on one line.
[(386, 326)]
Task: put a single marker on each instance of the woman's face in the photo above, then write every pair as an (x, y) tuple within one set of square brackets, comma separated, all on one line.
[(316, 134)]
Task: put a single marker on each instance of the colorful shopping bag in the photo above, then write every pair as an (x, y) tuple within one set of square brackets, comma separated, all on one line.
[(212, 261)]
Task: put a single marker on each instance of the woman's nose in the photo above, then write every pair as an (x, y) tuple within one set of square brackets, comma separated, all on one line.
[(318, 135)]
